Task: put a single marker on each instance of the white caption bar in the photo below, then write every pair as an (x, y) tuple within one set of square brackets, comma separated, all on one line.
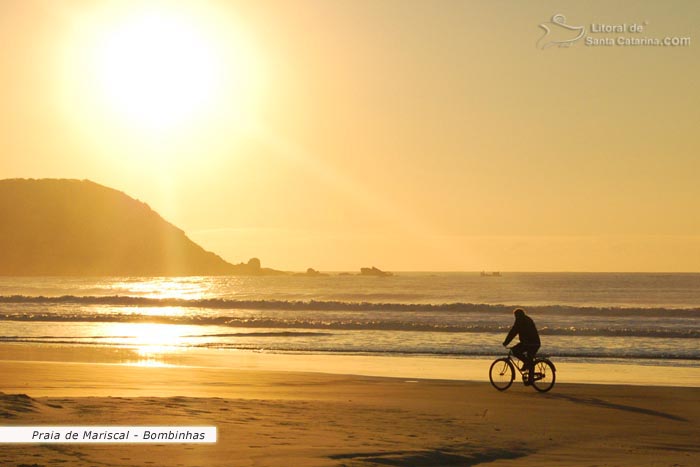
[(108, 434)]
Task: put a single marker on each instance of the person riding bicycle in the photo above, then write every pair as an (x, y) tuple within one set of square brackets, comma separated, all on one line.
[(526, 349)]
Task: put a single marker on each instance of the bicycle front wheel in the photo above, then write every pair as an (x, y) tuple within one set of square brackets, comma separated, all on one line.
[(501, 374), (545, 375)]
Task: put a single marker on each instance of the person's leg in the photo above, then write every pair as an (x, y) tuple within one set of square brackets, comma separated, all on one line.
[(522, 351), (519, 350), (531, 352)]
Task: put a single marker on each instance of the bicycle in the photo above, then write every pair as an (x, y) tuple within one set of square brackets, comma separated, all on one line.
[(502, 372)]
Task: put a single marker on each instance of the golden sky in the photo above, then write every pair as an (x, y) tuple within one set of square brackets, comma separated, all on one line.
[(406, 134)]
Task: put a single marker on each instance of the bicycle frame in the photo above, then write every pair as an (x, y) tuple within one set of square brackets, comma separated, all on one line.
[(544, 371), (515, 360)]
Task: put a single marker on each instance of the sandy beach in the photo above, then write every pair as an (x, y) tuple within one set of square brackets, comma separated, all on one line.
[(262, 233), (269, 418)]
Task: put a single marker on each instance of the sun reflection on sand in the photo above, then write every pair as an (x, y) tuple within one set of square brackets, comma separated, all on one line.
[(153, 355), (151, 343), (150, 363)]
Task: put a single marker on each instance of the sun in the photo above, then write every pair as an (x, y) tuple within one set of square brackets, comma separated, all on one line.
[(157, 69)]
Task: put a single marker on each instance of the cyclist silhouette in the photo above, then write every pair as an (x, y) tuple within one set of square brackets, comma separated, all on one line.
[(526, 349)]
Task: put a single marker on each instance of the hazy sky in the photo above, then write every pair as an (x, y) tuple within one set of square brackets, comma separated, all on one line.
[(409, 135)]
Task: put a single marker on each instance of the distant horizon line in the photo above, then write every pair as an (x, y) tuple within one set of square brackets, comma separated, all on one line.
[(503, 271), (356, 273)]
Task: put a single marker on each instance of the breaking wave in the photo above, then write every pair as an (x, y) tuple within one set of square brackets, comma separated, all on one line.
[(322, 305), (355, 325)]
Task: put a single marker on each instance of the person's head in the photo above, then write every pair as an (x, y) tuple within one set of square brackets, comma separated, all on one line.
[(518, 312)]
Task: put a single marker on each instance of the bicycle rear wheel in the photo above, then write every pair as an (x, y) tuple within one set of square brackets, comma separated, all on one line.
[(501, 374), (545, 375)]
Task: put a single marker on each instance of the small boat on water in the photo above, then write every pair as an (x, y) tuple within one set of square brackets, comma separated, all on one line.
[(490, 274)]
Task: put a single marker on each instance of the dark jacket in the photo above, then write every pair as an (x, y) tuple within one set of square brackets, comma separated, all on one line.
[(524, 328)]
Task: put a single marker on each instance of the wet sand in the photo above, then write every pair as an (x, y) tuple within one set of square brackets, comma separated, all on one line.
[(268, 417)]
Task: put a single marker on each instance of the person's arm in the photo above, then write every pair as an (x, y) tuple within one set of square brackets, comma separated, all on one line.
[(511, 334)]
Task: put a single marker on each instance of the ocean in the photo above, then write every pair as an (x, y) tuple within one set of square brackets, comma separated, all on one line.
[(637, 318)]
